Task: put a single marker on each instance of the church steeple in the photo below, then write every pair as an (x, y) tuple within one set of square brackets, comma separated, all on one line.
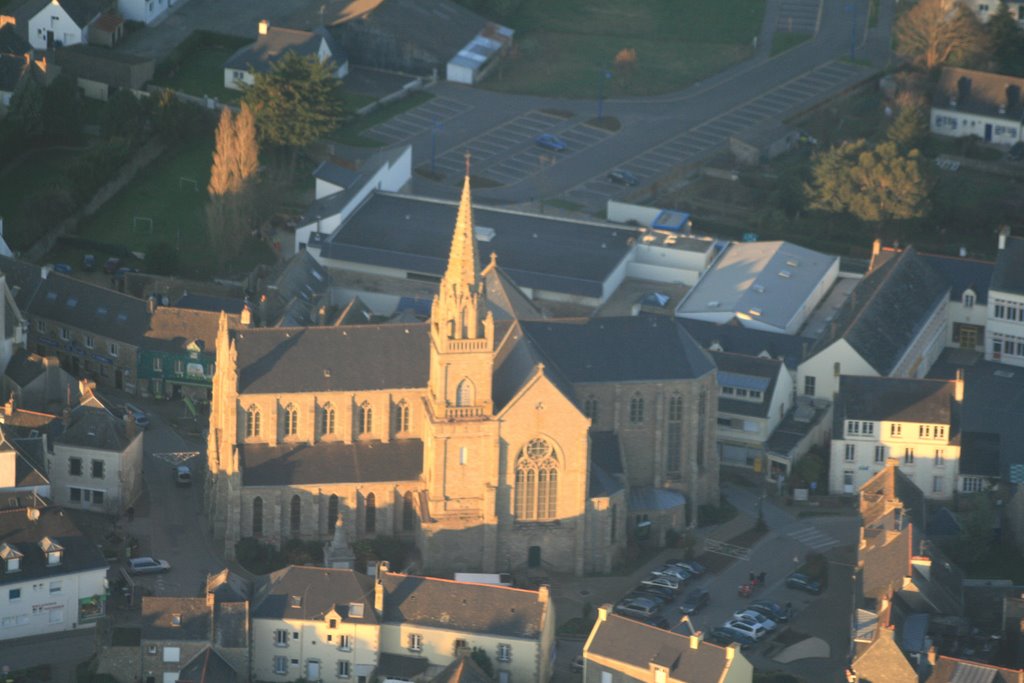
[(458, 311)]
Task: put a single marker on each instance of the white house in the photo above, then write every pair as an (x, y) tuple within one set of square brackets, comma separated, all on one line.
[(986, 9), (61, 22), (986, 105), (913, 423), (96, 460), (968, 298), (52, 578), (893, 324), (480, 55), (272, 44), (145, 11), (772, 286), (754, 394), (1004, 339)]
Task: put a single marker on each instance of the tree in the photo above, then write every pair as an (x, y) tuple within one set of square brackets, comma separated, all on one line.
[(123, 116), (235, 163), (483, 660), (1007, 41), (26, 109), (296, 102), (875, 185), (935, 32), (62, 110), (908, 128)]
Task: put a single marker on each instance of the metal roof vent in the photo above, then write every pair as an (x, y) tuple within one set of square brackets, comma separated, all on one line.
[(785, 273), (483, 233)]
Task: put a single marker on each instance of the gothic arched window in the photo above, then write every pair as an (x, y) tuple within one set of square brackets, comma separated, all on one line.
[(291, 420), (636, 409), (332, 513), (370, 508), (402, 416), (365, 425), (536, 494), (327, 419), (674, 440), (296, 514), (252, 421), (408, 512), (257, 516), (464, 393)]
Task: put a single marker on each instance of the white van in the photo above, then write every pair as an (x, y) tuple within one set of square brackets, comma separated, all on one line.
[(493, 579)]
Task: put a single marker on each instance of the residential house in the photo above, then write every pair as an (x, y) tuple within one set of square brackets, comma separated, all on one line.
[(297, 295), (275, 42), (987, 105), (95, 461), (968, 298), (39, 383), (754, 394), (914, 423), (56, 23), (952, 670), (313, 623), (176, 356), (621, 650), (892, 325), (145, 11), (52, 577), (100, 72), (108, 30), (426, 624), (204, 639), (1004, 340), (462, 670), (771, 286), (95, 331), (22, 481), (13, 324), (881, 659)]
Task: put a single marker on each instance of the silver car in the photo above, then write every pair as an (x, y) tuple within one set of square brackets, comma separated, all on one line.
[(148, 565)]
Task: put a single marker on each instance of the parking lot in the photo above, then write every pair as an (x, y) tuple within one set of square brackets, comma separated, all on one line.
[(409, 124), (709, 137)]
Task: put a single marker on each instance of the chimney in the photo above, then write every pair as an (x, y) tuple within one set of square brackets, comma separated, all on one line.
[(876, 247), (65, 417), (264, 27), (129, 426), (730, 653), (544, 594), (9, 406), (378, 588), (8, 468), (1004, 232), (694, 642), (602, 612), (931, 656), (246, 316), (151, 303), (85, 387), (958, 389)]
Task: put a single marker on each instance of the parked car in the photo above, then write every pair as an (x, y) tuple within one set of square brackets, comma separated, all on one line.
[(692, 566), (658, 622), (183, 475), (772, 610), (666, 594), (62, 268), (111, 265), (754, 617), (674, 572), (576, 666), (141, 418), (639, 608), (663, 582), (755, 631), (802, 582), (659, 598), (696, 600), (148, 565), (552, 142), (621, 177), (723, 636)]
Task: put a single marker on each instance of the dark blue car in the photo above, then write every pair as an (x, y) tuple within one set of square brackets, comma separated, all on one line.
[(552, 142)]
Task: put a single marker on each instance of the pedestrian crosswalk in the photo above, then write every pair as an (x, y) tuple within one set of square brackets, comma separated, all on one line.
[(814, 538)]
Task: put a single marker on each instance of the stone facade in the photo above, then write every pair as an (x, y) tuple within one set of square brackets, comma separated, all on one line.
[(493, 468)]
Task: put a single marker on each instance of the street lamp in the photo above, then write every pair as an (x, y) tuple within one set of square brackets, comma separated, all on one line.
[(605, 75)]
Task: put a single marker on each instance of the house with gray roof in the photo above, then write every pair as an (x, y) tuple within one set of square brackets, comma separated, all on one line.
[(953, 670), (39, 383), (622, 649), (273, 43), (198, 639), (771, 286), (57, 23), (893, 324), (1004, 338), (985, 104), (913, 423)]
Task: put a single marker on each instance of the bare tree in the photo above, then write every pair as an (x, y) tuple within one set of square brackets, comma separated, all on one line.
[(936, 32)]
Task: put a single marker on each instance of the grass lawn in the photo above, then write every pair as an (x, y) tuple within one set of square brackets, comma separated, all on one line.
[(197, 66), (784, 40), (41, 169), (563, 47), (175, 207)]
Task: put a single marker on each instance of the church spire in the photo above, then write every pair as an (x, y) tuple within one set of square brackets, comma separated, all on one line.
[(463, 260)]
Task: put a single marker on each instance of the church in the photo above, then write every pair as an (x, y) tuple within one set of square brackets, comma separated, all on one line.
[(492, 438)]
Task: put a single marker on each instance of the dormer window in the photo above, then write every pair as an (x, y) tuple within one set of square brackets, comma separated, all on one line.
[(969, 299), (355, 610), (52, 550), (11, 558), (176, 619), (295, 601)]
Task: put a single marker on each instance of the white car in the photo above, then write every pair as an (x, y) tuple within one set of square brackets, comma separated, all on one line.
[(663, 581), (148, 565), (755, 617), (673, 572), (755, 631)]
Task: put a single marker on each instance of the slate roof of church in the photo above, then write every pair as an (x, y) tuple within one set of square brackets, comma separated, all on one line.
[(887, 309), (330, 462)]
